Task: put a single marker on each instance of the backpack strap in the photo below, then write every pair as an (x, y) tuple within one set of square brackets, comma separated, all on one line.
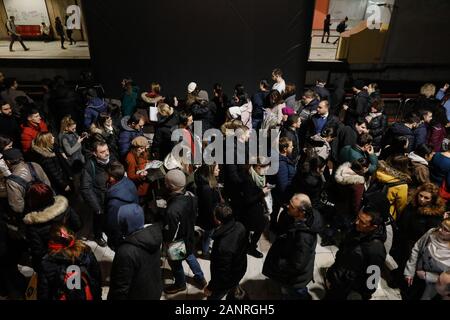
[(20, 181), (34, 176), (394, 184)]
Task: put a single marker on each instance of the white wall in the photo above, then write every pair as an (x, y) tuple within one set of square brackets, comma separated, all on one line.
[(27, 12)]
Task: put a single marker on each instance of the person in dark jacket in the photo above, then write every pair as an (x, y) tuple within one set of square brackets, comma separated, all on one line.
[(60, 31), (94, 177), (43, 210), (326, 28), (65, 250), (162, 143), (228, 256), (398, 146), (290, 260), (43, 153), (131, 128), (377, 123), (121, 191), (203, 110), (136, 272), (362, 149), (405, 128), (348, 135), (179, 222), (208, 198), (374, 93), (259, 102), (105, 128), (321, 120), (321, 90), (8, 124), (290, 131), (363, 247), (252, 216), (310, 101), (421, 132), (437, 130), (359, 107), (95, 106)]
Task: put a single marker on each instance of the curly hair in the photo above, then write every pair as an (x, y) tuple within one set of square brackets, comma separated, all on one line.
[(437, 205)]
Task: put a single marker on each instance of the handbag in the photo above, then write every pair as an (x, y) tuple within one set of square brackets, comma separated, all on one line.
[(443, 193), (176, 250)]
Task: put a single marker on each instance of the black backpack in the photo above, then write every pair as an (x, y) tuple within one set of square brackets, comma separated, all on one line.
[(82, 293), (340, 27), (22, 182)]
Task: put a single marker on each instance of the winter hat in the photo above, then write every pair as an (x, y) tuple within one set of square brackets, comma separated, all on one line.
[(12, 154), (359, 84), (288, 111), (140, 142), (175, 180), (191, 87), (130, 218), (203, 95)]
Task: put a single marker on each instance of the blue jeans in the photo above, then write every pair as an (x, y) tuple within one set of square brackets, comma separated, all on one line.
[(206, 241), (178, 271), (256, 124)]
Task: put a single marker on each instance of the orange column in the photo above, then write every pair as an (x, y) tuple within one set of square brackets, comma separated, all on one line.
[(320, 12)]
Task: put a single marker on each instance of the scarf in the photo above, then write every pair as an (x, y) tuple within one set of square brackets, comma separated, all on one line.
[(259, 180), (372, 115), (439, 249), (54, 246)]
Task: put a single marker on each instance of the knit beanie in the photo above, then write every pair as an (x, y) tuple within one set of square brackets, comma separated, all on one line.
[(175, 180)]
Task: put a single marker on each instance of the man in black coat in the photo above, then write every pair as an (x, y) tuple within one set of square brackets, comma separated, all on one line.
[(228, 256), (361, 252), (9, 125), (290, 260), (162, 143), (93, 187), (179, 222), (136, 272), (321, 120), (359, 107), (405, 129), (291, 130)]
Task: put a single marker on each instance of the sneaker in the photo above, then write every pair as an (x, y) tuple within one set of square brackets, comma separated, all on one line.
[(255, 253), (101, 242), (172, 289), (26, 49), (201, 283)]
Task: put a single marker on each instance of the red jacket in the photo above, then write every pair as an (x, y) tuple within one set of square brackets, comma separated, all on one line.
[(29, 132), (133, 165)]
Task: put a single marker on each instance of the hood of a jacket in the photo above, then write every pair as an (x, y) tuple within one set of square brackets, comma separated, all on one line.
[(387, 174), (224, 229), (415, 158), (401, 130), (46, 153), (149, 238), (57, 208), (124, 190), (124, 124), (97, 103), (346, 176)]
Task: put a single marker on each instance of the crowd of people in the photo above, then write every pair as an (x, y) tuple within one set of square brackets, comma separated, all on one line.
[(78, 166)]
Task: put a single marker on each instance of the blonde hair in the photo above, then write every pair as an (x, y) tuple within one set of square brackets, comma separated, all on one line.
[(155, 87), (164, 109), (66, 122), (44, 140), (428, 90)]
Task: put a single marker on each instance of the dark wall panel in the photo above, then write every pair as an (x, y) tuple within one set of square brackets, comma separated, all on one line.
[(175, 42), (420, 33)]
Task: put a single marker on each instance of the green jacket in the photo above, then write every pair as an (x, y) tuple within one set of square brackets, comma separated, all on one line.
[(351, 153)]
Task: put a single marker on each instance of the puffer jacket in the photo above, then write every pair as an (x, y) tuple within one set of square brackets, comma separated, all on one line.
[(39, 223), (349, 191), (356, 253), (29, 132), (16, 193), (127, 134), (51, 165), (397, 195), (162, 143), (377, 127), (93, 109)]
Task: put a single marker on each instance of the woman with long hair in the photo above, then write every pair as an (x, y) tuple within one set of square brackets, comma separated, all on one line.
[(43, 153), (209, 197), (136, 160), (429, 258), (64, 251), (71, 144)]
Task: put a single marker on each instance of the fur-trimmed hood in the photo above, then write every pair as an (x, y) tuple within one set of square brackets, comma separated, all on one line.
[(345, 175), (56, 209), (436, 210), (46, 153), (415, 158), (387, 174)]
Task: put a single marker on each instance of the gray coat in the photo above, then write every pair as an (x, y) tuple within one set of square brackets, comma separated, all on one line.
[(71, 147)]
